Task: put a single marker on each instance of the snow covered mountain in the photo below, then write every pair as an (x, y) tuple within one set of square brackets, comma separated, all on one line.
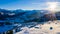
[(28, 18)]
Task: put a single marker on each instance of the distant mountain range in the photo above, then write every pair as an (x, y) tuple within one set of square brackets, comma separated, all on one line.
[(26, 16)]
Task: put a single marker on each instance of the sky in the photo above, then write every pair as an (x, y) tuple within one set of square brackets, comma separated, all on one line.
[(28, 4)]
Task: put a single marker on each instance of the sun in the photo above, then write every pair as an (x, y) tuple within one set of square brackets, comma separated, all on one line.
[(52, 6)]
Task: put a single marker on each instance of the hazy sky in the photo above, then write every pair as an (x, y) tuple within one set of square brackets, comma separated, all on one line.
[(25, 4)]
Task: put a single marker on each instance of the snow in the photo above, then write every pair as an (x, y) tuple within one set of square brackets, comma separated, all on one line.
[(43, 29)]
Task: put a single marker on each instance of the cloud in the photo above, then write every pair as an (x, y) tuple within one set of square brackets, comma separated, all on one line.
[(46, 5), (40, 5), (53, 0), (53, 5)]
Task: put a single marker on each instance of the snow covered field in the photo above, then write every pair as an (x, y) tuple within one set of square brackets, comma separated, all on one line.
[(51, 27)]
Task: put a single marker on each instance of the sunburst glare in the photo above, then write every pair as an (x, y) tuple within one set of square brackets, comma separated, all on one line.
[(52, 6)]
